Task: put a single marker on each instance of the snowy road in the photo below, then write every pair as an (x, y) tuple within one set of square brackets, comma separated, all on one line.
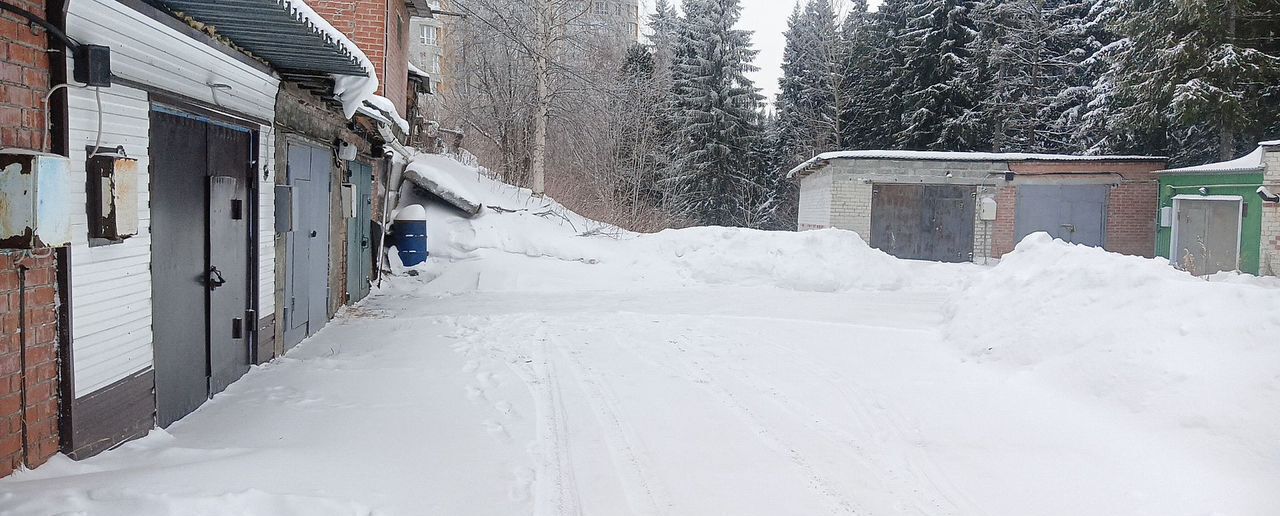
[(704, 401)]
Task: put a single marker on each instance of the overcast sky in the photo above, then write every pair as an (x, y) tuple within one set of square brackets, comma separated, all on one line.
[(768, 19)]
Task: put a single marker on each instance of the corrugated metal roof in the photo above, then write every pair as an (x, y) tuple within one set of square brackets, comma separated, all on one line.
[(275, 31)]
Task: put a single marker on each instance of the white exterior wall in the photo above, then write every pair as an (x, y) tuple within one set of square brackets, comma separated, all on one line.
[(1270, 258), (815, 201), (266, 224), (111, 284), (851, 204)]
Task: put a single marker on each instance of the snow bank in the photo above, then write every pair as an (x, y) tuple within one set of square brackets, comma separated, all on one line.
[(830, 260), (576, 253), (1132, 331)]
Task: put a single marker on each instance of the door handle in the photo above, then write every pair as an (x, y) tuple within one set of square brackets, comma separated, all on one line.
[(215, 278), (364, 243), (313, 233)]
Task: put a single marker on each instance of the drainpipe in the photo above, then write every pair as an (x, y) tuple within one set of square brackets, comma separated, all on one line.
[(393, 181), (22, 361)]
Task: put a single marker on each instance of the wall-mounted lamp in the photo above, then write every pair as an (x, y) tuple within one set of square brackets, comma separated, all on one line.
[(1267, 196)]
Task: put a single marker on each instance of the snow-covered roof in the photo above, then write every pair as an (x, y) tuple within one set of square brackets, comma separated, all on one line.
[(960, 156), (414, 70), (1271, 143), (1248, 163), (383, 110)]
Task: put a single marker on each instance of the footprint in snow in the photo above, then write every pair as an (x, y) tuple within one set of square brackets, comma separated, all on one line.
[(496, 429)]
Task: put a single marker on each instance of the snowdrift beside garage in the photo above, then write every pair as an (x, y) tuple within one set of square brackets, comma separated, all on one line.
[(581, 254), (1131, 331)]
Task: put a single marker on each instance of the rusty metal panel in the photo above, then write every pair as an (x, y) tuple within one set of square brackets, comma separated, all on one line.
[(112, 193), (34, 194), (923, 222)]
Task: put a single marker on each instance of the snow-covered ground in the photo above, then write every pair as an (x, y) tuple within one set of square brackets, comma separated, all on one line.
[(529, 369)]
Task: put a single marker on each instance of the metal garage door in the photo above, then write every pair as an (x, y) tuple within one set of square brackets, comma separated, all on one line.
[(359, 238), (1074, 213), (923, 222), (200, 256), (1206, 235), (306, 289)]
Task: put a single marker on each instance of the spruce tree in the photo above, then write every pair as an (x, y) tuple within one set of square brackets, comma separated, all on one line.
[(875, 84), (1198, 71), (938, 104), (717, 109)]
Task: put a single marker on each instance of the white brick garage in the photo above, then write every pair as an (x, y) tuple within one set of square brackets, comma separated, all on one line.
[(929, 205)]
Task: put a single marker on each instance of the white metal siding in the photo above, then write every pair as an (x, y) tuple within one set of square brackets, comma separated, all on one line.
[(111, 285), (266, 223), (815, 200), (146, 51)]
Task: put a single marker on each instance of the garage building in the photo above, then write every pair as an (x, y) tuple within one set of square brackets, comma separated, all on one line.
[(961, 206)]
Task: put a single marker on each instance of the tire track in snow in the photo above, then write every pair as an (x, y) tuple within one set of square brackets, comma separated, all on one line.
[(556, 490), (702, 378), (880, 419), (644, 494)]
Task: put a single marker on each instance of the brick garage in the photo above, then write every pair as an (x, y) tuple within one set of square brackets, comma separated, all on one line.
[(1131, 205), (838, 189), (28, 280)]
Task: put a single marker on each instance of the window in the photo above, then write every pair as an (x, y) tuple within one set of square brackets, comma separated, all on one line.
[(435, 63), (429, 35), (600, 7)]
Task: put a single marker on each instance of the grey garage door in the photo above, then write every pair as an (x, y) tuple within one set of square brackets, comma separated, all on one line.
[(1207, 238), (923, 222), (200, 256), (1074, 213), (306, 287)]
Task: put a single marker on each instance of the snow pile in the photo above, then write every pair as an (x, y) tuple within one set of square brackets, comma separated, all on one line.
[(350, 89), (1250, 161), (1131, 331), (830, 260), (385, 108), (354, 91), (583, 254)]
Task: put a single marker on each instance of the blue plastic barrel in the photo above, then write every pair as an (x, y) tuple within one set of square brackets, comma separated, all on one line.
[(409, 234)]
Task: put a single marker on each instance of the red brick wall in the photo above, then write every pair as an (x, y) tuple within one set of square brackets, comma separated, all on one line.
[(40, 378), (24, 78), (1131, 218), (395, 75), (371, 24), (1002, 237)]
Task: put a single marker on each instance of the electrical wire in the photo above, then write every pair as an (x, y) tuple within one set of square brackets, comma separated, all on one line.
[(49, 27), (48, 130)]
